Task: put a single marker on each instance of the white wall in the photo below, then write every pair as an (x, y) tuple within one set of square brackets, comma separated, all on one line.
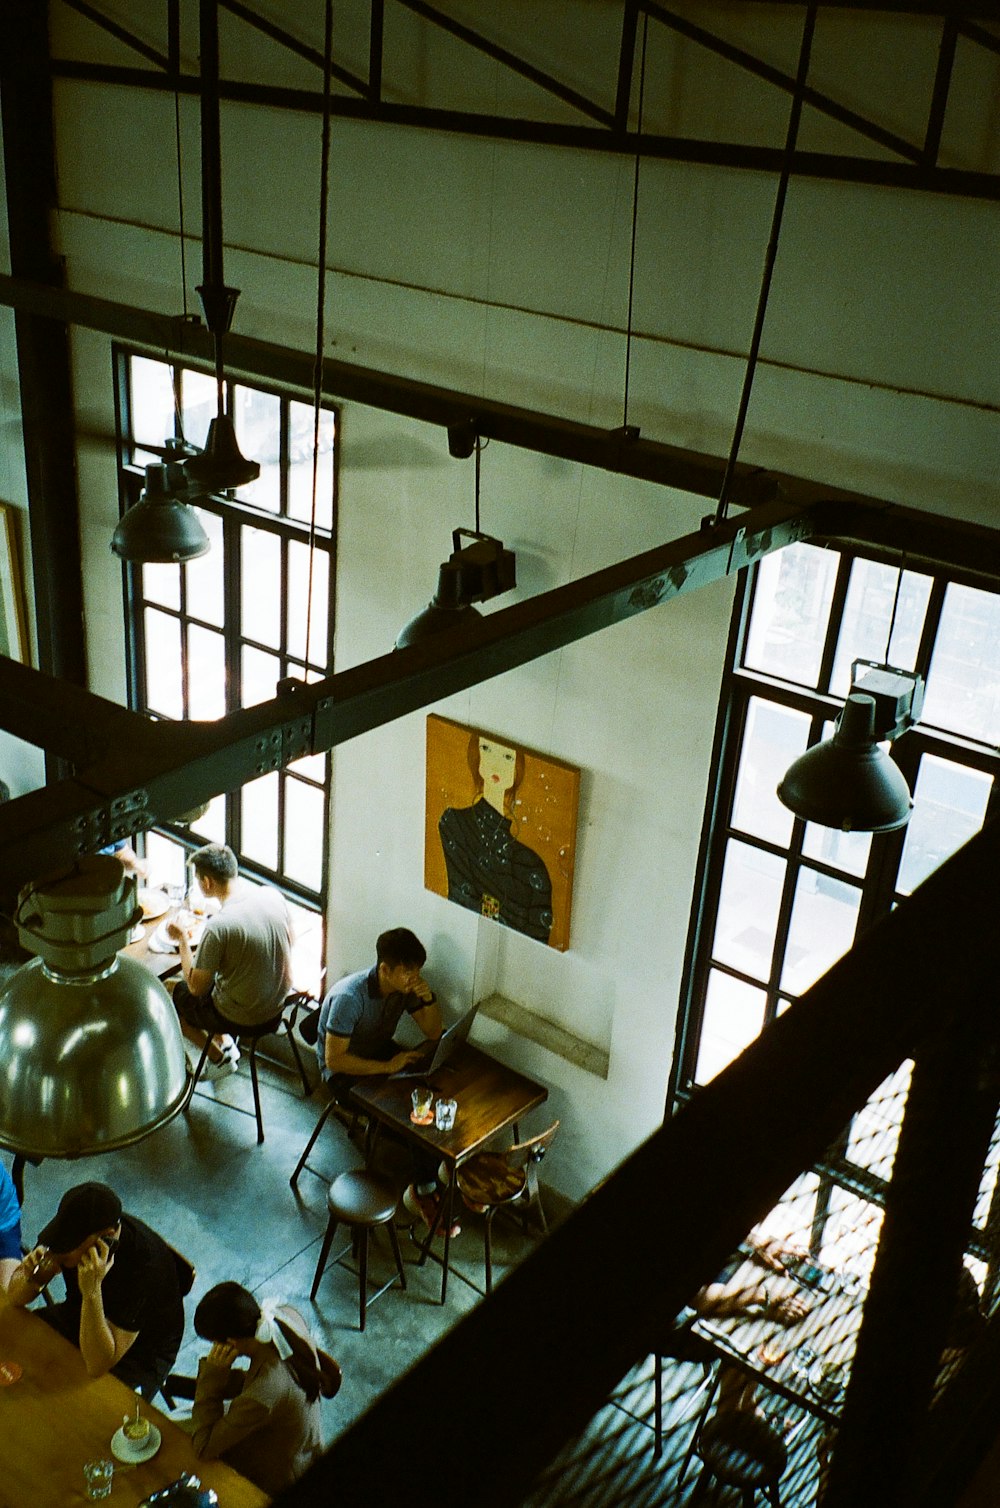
[(502, 268)]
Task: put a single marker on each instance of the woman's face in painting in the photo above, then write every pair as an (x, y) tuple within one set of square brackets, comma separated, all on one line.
[(497, 766)]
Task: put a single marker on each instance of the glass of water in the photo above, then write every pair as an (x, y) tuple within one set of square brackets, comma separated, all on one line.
[(97, 1476)]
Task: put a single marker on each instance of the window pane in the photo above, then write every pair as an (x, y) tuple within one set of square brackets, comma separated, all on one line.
[(874, 1131), (166, 861), (298, 599), (748, 909), (205, 575), (791, 607), (152, 401), (260, 586), (851, 1234), (212, 827), (734, 1015), (206, 674), (199, 406), (963, 687), (257, 419), (846, 851), (791, 1220), (307, 948), (774, 736), (163, 664), (162, 584), (824, 918), (867, 615), (311, 766), (260, 675), (949, 805), (300, 475), (305, 814), (259, 840)]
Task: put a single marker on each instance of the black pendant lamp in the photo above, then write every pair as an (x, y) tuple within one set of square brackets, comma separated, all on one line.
[(848, 781), (221, 465)]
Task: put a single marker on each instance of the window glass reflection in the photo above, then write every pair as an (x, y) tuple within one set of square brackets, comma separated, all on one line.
[(734, 1015), (791, 609), (824, 919), (949, 806), (774, 736), (748, 909)]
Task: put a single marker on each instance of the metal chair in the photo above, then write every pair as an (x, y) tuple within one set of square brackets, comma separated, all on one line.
[(740, 1449), (361, 1201), (248, 1037), (491, 1181)]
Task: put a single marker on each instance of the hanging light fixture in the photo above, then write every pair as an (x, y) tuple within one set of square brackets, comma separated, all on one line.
[(91, 1051), (848, 781), (472, 573), (162, 526), (221, 465)]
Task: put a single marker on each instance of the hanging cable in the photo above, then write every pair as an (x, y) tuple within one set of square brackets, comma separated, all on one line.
[(180, 200), (791, 137), (324, 197), (479, 453), (635, 217), (895, 604)]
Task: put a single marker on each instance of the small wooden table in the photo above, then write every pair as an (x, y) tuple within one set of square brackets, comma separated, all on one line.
[(54, 1418), (490, 1097), (160, 964)]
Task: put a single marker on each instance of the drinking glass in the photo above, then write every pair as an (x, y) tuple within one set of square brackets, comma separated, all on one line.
[(97, 1477), (422, 1098), (444, 1114)]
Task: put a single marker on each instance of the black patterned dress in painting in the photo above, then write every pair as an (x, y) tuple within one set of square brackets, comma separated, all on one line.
[(489, 871)]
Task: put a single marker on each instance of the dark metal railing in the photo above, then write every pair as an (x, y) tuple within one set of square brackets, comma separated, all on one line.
[(499, 1395)]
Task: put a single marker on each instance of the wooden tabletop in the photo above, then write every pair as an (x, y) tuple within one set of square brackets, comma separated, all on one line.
[(160, 964), (54, 1418), (490, 1097)]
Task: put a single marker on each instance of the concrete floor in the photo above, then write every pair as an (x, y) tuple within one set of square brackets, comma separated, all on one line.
[(208, 1188)]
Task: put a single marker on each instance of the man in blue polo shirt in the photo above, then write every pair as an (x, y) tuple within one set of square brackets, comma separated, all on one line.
[(355, 1033)]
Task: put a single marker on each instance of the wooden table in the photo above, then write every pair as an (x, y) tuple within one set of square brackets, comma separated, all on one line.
[(829, 1331), (54, 1418), (490, 1097), (160, 964)]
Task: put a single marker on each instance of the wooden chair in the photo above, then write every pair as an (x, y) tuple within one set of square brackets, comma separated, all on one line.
[(249, 1037), (491, 1181)]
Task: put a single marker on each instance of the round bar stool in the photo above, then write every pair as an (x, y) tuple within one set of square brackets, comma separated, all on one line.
[(740, 1450), (361, 1201)]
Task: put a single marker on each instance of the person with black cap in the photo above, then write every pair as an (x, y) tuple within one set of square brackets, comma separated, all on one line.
[(123, 1304)]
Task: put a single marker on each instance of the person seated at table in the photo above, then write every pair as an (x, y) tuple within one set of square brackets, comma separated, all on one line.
[(357, 1020), (242, 972), (733, 1292), (10, 1228), (123, 1306), (271, 1430)]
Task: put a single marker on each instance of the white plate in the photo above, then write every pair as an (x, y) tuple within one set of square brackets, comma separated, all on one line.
[(154, 903), (123, 1449)]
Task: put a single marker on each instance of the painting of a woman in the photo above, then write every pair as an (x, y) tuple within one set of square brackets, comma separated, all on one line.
[(501, 829), (489, 869)]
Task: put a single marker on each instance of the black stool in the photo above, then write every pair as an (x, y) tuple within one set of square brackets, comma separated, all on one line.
[(249, 1036), (361, 1201), (739, 1449)]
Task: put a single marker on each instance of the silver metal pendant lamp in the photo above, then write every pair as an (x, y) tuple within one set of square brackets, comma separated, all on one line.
[(848, 781), (91, 1054), (162, 526)]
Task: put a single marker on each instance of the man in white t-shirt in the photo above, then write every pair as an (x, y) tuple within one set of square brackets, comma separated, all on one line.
[(242, 971)]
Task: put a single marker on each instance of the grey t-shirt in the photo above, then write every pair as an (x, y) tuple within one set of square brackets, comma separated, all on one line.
[(247, 946)]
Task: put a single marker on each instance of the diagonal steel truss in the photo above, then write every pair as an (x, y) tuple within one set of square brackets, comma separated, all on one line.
[(603, 123)]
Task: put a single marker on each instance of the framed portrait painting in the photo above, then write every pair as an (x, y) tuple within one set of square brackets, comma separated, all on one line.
[(500, 836), (13, 621)]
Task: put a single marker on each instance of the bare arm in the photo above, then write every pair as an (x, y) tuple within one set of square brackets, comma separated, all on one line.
[(339, 1059), (30, 1276), (198, 981), (428, 1017), (102, 1344)]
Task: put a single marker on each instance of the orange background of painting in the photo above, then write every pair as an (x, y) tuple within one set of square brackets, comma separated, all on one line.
[(545, 811)]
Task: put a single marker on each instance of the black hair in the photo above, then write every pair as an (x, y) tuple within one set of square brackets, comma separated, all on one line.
[(400, 946), (229, 1312), (217, 860)]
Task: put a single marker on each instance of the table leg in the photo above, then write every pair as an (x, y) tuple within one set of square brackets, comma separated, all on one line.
[(447, 1204)]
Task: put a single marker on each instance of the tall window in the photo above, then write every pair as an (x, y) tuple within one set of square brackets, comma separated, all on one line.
[(218, 634), (783, 898)]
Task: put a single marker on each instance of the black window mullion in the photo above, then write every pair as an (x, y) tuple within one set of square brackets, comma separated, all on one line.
[(834, 622)]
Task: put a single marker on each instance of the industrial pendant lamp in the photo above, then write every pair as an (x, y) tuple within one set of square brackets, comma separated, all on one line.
[(162, 526), (93, 1058), (220, 466), (848, 781), (472, 573)]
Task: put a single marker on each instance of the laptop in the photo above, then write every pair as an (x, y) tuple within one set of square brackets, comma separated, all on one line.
[(438, 1053)]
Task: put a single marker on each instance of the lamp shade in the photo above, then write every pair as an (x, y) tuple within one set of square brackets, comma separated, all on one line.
[(91, 1051), (848, 781), (435, 619), (221, 464), (161, 527)]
